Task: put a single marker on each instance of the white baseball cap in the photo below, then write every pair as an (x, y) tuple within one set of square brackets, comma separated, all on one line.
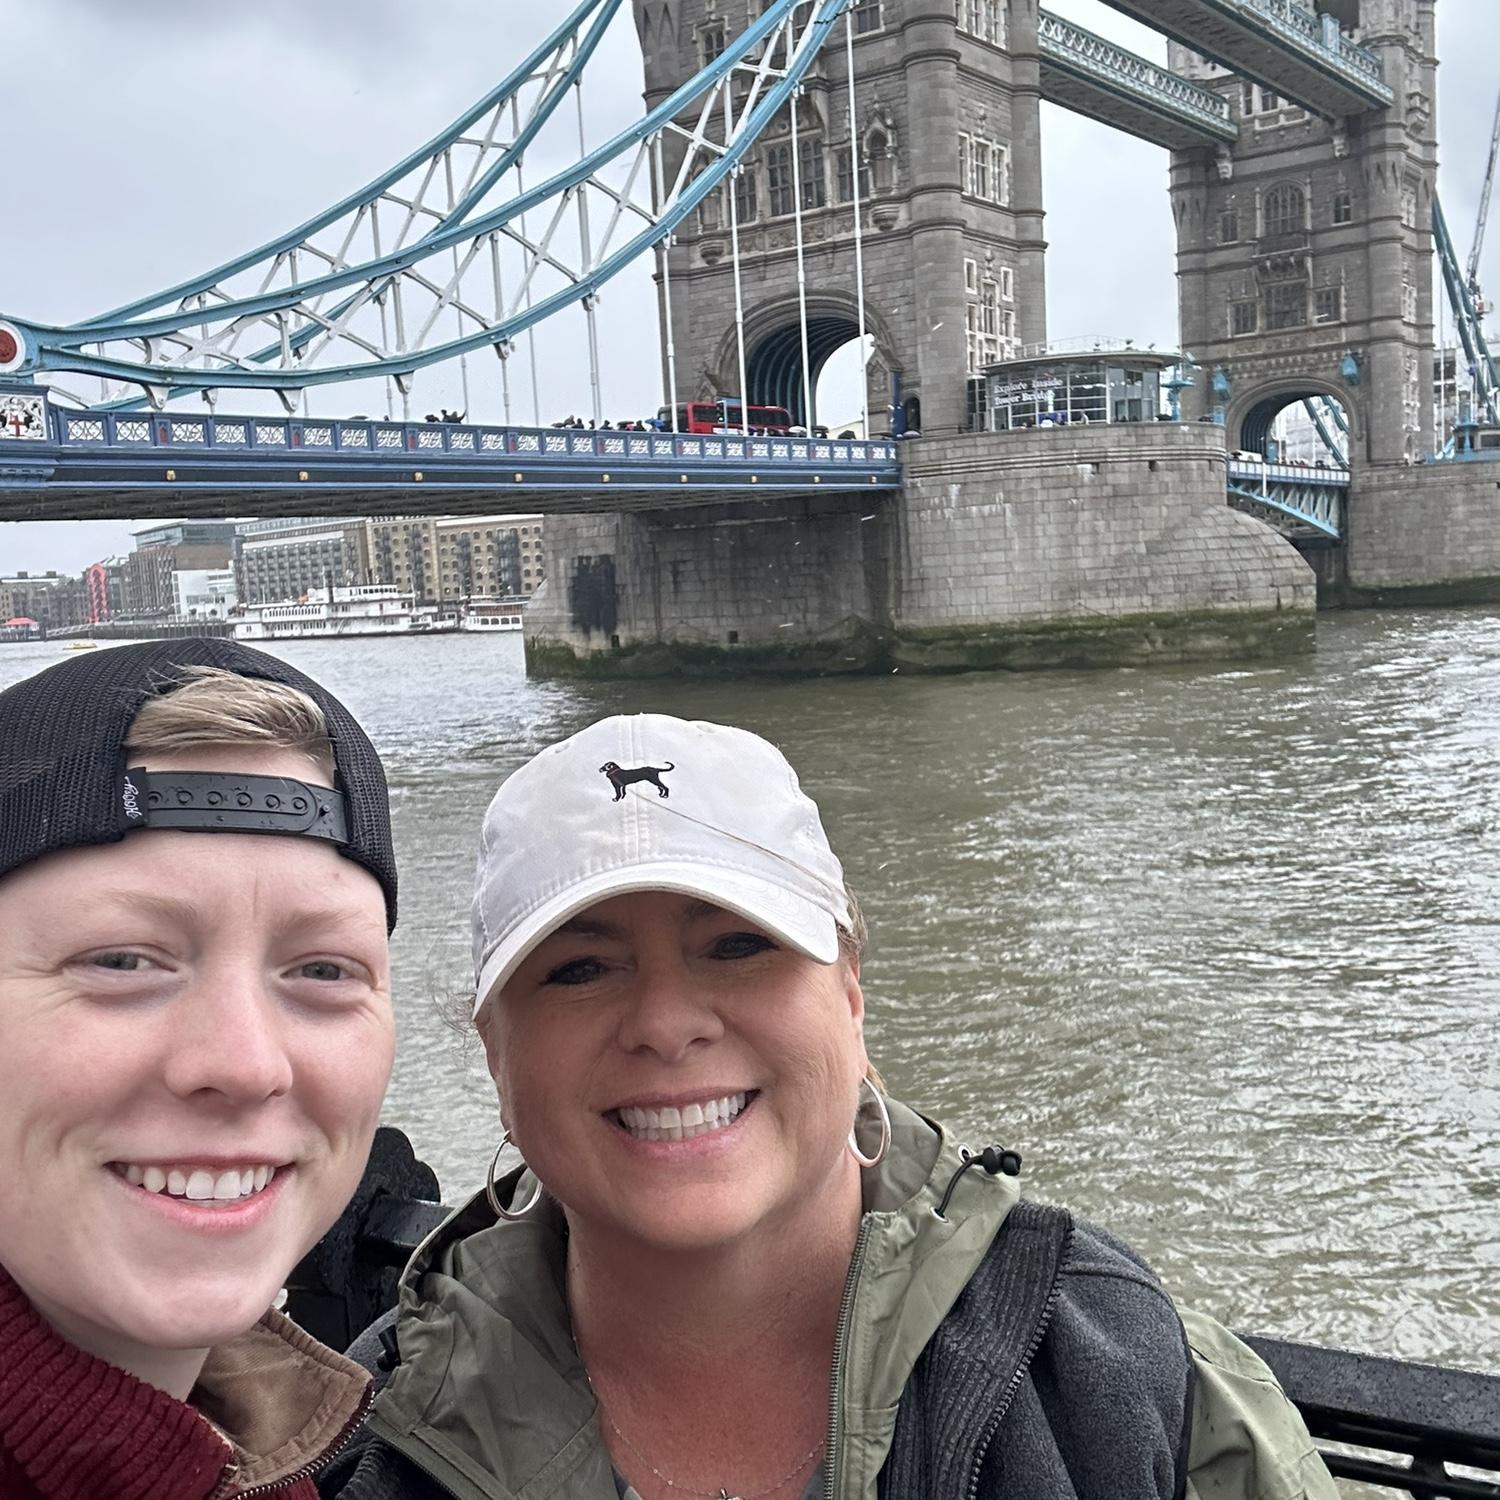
[(646, 802)]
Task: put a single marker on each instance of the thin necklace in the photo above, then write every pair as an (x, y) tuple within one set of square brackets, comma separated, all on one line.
[(719, 1494)]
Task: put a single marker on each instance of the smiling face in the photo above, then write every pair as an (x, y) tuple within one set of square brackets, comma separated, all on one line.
[(676, 1076), (195, 1039)]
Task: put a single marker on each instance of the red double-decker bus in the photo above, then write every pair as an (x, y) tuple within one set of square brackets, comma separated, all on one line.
[(724, 416)]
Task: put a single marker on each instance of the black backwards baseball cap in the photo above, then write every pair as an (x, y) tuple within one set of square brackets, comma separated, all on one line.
[(65, 784)]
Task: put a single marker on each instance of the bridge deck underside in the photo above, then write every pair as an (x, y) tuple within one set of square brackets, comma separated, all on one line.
[(1259, 44), (1138, 112)]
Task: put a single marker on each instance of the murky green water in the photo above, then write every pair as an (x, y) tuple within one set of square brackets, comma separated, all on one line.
[(1217, 950)]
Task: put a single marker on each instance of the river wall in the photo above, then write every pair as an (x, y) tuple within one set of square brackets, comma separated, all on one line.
[(1427, 534), (1079, 547)]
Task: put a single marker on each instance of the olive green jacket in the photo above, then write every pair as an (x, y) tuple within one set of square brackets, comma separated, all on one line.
[(491, 1401)]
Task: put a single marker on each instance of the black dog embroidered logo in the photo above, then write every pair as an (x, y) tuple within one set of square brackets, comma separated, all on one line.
[(621, 777)]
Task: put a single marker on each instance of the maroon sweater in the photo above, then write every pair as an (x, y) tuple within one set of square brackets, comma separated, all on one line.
[(75, 1428)]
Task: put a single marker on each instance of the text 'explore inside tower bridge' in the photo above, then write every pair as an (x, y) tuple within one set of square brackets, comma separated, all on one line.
[(810, 176)]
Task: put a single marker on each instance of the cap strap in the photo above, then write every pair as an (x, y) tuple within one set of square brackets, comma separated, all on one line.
[(218, 802)]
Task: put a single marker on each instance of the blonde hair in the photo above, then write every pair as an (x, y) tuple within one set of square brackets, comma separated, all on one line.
[(211, 708)]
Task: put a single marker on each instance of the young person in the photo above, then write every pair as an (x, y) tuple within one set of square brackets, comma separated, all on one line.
[(196, 889)]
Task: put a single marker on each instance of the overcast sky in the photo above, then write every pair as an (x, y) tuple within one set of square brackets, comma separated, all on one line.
[(151, 139)]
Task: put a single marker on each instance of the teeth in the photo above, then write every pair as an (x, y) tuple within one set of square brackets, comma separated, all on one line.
[(672, 1124), (198, 1184)]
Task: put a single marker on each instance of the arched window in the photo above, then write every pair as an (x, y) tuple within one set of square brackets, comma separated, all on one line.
[(1285, 210), (746, 198), (814, 183), (779, 179)]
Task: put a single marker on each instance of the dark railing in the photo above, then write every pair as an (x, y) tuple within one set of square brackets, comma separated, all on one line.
[(1413, 1423)]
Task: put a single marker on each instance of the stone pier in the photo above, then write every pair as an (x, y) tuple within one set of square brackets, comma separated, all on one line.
[(1053, 547), (1426, 534)]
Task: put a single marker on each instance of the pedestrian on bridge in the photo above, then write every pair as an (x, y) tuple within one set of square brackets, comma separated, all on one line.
[(726, 1263), (195, 1038)]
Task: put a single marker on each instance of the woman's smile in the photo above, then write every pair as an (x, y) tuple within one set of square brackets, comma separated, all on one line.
[(207, 1200), (699, 1118)]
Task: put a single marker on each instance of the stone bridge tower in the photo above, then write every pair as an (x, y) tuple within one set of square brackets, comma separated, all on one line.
[(1304, 252), (950, 188)]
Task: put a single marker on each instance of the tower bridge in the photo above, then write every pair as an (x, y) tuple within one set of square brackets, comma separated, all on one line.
[(826, 173)]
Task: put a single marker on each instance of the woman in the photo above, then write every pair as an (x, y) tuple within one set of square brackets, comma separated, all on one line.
[(729, 1267), (195, 1038)]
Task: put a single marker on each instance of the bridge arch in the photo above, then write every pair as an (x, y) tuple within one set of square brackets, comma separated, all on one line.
[(1251, 417), (773, 348)]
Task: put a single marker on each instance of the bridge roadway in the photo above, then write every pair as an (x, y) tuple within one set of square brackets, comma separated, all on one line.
[(90, 465)]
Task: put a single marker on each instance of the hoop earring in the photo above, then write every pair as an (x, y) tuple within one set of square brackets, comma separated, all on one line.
[(852, 1143), (489, 1187)]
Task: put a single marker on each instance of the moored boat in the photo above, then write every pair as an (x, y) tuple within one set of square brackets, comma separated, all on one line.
[(369, 609)]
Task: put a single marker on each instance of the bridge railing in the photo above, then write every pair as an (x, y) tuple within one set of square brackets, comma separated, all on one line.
[(1100, 58), (1413, 1424), (314, 437), (1300, 24)]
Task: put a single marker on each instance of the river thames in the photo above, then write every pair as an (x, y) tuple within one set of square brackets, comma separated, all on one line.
[(1218, 950)]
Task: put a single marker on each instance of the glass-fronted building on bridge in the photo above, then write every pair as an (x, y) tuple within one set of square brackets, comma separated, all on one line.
[(1054, 389)]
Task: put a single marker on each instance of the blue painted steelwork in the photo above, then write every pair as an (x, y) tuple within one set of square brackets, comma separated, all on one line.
[(1306, 504), (98, 455), (197, 346), (1331, 424), (1281, 44), (1094, 77), (1466, 317)]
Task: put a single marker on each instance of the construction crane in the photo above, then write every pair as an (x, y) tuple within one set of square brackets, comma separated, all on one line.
[(1484, 214)]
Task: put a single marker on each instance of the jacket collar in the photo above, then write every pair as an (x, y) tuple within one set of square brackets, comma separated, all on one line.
[(282, 1400), (491, 1398), (268, 1405)]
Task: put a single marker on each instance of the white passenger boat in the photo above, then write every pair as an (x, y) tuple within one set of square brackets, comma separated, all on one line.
[(486, 615), (372, 609)]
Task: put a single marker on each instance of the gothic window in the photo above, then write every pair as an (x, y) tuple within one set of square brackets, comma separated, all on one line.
[(983, 169), (866, 16), (746, 204), (983, 19), (1409, 206), (980, 167), (1408, 296), (1343, 208), (1229, 227), (712, 40), (1243, 318), (987, 327), (1284, 211), (1286, 304), (844, 172), (1007, 284), (1328, 304), (971, 275), (814, 183), (779, 179)]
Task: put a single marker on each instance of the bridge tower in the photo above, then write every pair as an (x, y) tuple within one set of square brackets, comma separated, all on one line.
[(1304, 250), (947, 119)]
